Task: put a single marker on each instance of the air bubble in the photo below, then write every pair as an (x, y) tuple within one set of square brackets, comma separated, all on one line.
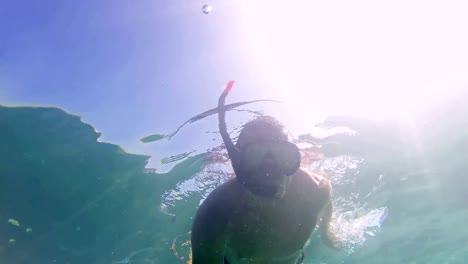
[(207, 9)]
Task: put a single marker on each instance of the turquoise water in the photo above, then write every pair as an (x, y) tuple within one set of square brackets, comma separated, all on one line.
[(94, 167), (400, 191)]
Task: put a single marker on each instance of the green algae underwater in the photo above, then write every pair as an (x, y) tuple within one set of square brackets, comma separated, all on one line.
[(400, 191)]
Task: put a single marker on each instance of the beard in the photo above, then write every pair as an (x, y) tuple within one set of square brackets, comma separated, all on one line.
[(264, 182)]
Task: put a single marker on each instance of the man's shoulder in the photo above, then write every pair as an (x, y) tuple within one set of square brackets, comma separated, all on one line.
[(220, 198), (313, 179), (314, 184)]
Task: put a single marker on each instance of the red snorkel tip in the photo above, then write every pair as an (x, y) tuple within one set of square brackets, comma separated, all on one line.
[(229, 86)]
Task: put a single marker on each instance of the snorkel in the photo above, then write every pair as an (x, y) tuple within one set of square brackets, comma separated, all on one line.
[(233, 152), (256, 180)]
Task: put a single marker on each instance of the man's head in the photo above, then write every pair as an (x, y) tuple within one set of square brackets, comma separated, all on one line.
[(267, 157)]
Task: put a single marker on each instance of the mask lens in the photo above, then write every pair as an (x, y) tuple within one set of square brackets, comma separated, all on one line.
[(285, 155)]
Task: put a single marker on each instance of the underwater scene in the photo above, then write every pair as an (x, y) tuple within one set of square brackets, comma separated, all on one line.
[(116, 121)]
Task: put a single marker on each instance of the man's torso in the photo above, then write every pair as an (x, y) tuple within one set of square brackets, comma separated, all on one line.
[(275, 233)]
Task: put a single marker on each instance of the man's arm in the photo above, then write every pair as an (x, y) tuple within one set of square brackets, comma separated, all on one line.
[(326, 216), (208, 238)]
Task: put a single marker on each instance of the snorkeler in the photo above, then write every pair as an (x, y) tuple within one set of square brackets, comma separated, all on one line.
[(266, 213)]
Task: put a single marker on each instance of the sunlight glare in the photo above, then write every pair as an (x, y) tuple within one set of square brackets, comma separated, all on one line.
[(360, 57)]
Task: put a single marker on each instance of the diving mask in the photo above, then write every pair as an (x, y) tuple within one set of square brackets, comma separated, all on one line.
[(283, 154)]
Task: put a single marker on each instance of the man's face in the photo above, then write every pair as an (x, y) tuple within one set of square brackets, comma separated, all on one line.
[(268, 158)]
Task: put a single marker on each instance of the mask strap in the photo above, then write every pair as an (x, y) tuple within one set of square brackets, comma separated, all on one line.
[(233, 152)]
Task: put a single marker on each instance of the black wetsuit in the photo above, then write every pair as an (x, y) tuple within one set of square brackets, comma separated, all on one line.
[(299, 261)]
